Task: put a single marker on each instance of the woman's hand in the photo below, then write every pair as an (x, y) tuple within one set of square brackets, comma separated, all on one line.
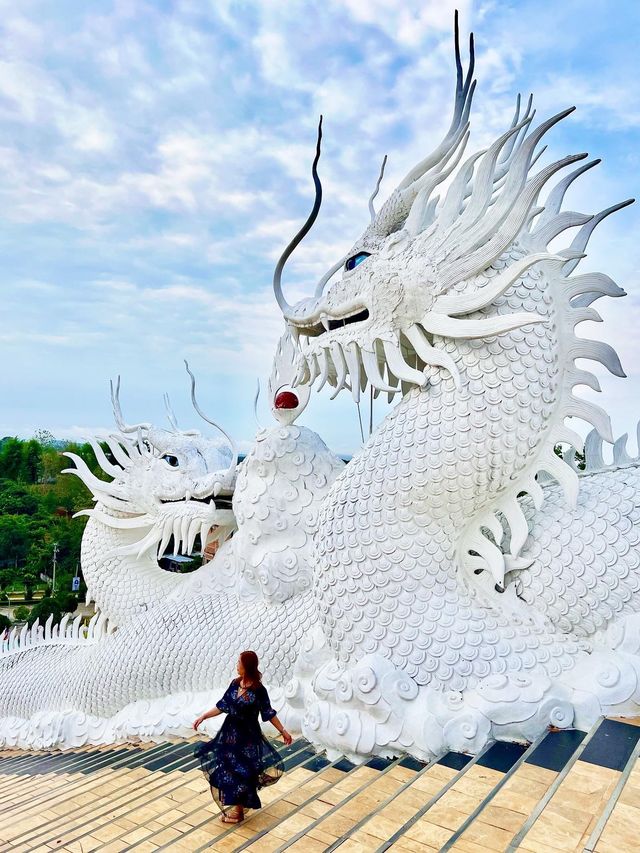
[(286, 737), (198, 722)]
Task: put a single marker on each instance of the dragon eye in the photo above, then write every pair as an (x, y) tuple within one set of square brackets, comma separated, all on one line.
[(353, 262), (171, 460)]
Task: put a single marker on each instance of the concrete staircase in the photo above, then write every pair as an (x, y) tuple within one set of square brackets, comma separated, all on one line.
[(568, 791)]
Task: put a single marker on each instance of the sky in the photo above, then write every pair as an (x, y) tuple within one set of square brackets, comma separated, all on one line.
[(155, 159)]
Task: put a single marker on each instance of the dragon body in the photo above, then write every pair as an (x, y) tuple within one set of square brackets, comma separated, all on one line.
[(581, 568)]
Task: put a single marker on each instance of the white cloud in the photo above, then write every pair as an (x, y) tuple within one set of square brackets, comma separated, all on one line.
[(408, 22), (155, 162)]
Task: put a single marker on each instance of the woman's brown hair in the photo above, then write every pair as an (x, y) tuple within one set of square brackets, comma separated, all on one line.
[(252, 674)]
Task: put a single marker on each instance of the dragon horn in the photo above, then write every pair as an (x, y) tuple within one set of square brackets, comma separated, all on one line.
[(171, 414), (277, 275), (117, 411), (232, 444), (372, 209)]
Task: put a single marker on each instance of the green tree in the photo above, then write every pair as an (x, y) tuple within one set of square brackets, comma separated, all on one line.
[(67, 601), (39, 557), (7, 577), (11, 458), (43, 609), (14, 537), (36, 505), (44, 437), (21, 613), (30, 579), (52, 464), (31, 469), (16, 499), (5, 622)]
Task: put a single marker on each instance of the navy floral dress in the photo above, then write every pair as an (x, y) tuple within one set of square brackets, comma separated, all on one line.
[(239, 759)]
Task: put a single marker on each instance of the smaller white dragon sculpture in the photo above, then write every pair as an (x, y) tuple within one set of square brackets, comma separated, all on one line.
[(163, 645), (167, 487)]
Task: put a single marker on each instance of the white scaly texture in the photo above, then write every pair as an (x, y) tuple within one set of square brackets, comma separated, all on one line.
[(278, 493), (276, 506), (163, 665), (457, 305), (581, 566), (101, 690)]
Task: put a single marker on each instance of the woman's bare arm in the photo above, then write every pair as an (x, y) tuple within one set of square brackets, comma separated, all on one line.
[(281, 729), (213, 712)]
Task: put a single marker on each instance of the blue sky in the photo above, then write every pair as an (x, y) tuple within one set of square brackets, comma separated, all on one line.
[(154, 161)]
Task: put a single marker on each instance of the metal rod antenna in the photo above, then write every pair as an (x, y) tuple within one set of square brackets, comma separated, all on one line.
[(370, 410), (255, 404), (55, 562), (360, 421)]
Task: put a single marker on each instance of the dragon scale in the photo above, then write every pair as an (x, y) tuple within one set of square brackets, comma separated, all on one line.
[(388, 577)]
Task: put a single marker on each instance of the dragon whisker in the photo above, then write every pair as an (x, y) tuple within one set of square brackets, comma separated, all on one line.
[(455, 304), (399, 367), (451, 327), (430, 354)]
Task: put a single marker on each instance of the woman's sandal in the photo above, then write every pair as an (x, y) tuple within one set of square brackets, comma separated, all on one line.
[(231, 818)]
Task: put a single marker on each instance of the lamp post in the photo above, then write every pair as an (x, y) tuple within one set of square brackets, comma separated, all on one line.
[(55, 558)]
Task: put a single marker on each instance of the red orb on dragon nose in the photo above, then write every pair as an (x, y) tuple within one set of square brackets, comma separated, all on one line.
[(286, 400)]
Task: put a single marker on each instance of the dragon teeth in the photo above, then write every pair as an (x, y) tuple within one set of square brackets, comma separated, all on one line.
[(184, 532), (194, 529), (372, 369), (341, 367), (324, 362), (384, 366), (166, 536), (314, 370), (352, 359)]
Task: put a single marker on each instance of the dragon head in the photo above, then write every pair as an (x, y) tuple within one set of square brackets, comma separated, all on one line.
[(431, 270), (167, 486)]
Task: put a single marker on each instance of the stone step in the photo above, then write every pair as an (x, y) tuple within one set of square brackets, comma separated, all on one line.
[(106, 766), (569, 791), (185, 822), (113, 788), (427, 812)]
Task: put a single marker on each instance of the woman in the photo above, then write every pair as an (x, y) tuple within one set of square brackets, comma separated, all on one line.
[(239, 759)]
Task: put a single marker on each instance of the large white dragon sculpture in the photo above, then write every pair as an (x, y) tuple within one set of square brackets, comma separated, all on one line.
[(467, 583), (458, 598)]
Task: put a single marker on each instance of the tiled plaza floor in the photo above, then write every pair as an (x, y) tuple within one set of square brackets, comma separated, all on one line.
[(571, 791)]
